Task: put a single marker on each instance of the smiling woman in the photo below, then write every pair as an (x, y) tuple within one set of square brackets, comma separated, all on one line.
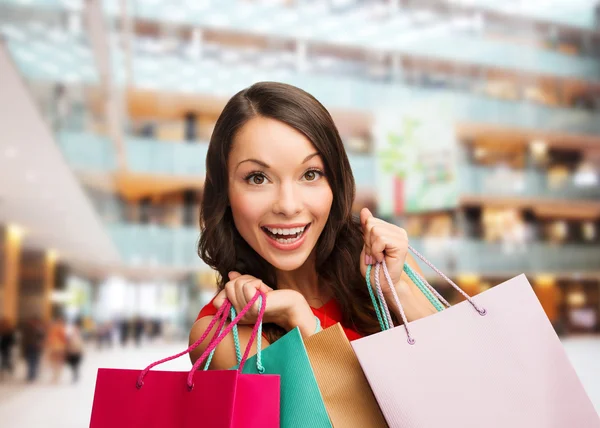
[(279, 195), (276, 215)]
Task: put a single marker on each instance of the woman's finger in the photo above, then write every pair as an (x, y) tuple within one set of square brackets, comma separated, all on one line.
[(366, 219), (220, 299), (249, 290), (380, 243), (231, 295), (234, 275)]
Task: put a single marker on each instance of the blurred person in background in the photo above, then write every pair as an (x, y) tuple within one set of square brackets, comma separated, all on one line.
[(60, 106), (33, 338), (56, 346), (7, 342), (124, 331), (74, 349), (139, 326)]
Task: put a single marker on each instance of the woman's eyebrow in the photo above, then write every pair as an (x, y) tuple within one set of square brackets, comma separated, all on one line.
[(309, 157), (256, 161), (266, 166)]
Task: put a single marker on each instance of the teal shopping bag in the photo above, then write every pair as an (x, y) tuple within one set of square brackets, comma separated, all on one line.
[(301, 400)]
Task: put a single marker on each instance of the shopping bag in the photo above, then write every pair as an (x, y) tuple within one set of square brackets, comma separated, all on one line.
[(167, 399), (491, 361), (346, 392), (301, 401)]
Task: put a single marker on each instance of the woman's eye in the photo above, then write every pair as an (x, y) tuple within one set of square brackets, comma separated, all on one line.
[(256, 179), (312, 175)]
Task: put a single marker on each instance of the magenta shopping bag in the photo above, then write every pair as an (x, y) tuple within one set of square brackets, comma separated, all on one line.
[(166, 399), (492, 361)]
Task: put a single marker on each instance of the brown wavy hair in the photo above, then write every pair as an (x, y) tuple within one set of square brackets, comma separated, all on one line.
[(339, 246)]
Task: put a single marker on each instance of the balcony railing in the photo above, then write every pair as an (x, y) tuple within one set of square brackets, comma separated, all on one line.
[(89, 152), (478, 180), (151, 245), (159, 157), (470, 256)]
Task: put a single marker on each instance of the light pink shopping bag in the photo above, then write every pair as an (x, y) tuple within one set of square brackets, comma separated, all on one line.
[(492, 361), (165, 399)]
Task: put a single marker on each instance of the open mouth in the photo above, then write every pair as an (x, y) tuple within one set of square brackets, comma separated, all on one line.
[(286, 236)]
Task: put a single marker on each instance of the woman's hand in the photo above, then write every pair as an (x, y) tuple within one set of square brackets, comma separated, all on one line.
[(385, 241), (286, 308)]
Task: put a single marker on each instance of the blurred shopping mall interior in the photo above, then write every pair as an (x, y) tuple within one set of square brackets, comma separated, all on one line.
[(473, 124)]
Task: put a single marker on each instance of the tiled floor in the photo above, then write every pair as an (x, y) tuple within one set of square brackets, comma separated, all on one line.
[(65, 405)]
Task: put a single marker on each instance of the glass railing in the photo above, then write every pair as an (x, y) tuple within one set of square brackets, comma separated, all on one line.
[(169, 74), (478, 180), (151, 245), (45, 62), (462, 256), (567, 12), (87, 151), (434, 39), (170, 158), (504, 55)]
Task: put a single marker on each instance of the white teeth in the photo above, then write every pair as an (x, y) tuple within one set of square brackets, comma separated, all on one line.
[(285, 232)]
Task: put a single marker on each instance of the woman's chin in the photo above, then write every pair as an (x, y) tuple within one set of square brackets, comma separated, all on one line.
[(287, 263)]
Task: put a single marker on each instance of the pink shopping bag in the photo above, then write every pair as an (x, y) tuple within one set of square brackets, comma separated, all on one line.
[(492, 361), (166, 399)]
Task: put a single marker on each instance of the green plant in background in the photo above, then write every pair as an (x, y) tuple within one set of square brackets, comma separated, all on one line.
[(394, 157)]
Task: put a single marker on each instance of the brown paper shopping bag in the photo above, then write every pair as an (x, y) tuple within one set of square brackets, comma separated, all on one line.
[(345, 390)]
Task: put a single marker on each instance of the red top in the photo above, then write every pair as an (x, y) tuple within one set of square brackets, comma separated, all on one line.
[(329, 314)]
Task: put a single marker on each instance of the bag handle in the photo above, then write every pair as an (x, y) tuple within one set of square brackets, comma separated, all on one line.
[(257, 326), (383, 315), (481, 311), (238, 353), (220, 317)]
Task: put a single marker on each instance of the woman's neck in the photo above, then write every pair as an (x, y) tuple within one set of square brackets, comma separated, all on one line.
[(304, 280)]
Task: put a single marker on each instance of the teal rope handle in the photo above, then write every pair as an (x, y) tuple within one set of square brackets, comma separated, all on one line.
[(416, 279), (238, 348), (318, 327), (378, 304), (383, 322)]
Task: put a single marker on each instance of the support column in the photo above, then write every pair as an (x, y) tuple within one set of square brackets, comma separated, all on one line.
[(10, 256), (548, 294), (49, 284)]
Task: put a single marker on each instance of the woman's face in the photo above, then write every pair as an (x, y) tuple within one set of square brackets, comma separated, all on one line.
[(279, 196)]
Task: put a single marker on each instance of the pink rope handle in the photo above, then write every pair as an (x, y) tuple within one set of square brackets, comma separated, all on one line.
[(388, 278), (225, 332), (221, 316), (481, 311), (410, 339), (386, 310)]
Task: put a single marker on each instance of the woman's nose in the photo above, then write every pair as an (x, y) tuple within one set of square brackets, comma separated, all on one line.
[(288, 201)]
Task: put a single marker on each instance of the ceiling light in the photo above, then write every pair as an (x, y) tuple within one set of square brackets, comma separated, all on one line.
[(15, 232), (589, 231), (480, 152), (585, 176), (52, 255), (539, 147)]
